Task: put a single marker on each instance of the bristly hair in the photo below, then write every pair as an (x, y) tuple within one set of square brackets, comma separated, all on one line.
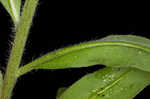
[(10, 44)]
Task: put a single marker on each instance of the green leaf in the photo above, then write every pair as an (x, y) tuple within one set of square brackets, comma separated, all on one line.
[(113, 51), (13, 8), (1, 81), (60, 92), (109, 83)]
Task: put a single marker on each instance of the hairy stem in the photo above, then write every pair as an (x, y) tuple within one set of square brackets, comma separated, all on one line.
[(18, 48)]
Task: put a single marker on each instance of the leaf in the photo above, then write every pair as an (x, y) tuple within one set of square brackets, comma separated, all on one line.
[(60, 92), (112, 51), (1, 81), (13, 8), (109, 83)]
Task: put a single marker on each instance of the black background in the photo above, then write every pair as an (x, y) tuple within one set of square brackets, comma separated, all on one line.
[(56, 26)]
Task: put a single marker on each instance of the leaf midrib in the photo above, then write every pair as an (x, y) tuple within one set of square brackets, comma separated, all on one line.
[(107, 87), (64, 51)]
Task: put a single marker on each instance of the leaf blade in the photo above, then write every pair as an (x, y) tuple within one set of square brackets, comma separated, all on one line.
[(108, 83), (1, 81), (108, 51), (60, 92), (13, 8)]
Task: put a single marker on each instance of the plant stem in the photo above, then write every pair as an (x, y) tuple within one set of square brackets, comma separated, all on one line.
[(18, 48)]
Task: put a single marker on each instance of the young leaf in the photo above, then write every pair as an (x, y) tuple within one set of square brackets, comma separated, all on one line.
[(114, 51), (109, 83), (13, 8)]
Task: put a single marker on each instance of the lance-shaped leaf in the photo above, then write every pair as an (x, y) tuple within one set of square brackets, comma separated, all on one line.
[(109, 83), (114, 51), (13, 8)]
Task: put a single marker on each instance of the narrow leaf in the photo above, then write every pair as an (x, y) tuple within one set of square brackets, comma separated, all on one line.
[(13, 8), (1, 81), (109, 83), (114, 51)]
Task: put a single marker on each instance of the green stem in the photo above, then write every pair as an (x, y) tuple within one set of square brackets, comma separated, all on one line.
[(18, 48)]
